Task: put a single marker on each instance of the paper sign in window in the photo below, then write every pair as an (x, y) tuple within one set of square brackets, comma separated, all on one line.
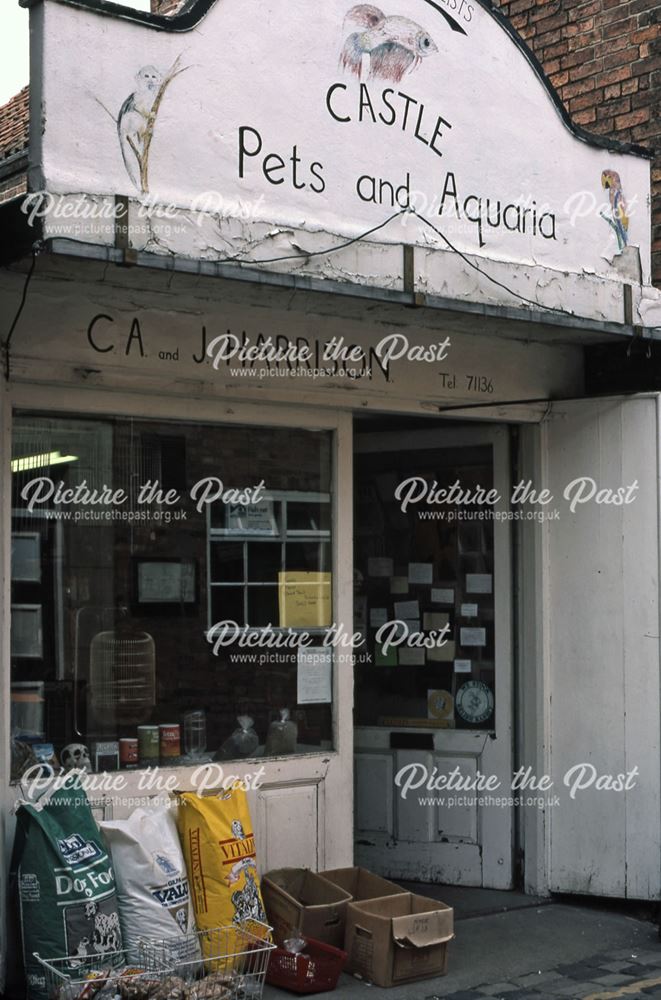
[(442, 595), (304, 600), (472, 637), (435, 620), (314, 676), (479, 583), (407, 609), (442, 654), (246, 519), (420, 572)]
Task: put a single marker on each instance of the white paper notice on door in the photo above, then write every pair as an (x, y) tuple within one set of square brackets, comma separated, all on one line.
[(407, 609), (435, 619), (442, 595), (479, 583), (472, 637), (314, 676), (421, 572)]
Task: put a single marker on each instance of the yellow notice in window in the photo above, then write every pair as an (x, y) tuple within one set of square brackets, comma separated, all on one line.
[(305, 600)]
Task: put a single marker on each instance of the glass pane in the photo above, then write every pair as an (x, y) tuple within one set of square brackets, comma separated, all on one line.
[(262, 606), (135, 545), (312, 557), (227, 562), (227, 604), (308, 516), (435, 575), (264, 561)]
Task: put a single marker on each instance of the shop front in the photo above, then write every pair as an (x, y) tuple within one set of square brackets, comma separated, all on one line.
[(301, 488)]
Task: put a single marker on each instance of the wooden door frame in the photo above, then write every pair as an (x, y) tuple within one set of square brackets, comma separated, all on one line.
[(495, 869), (330, 771)]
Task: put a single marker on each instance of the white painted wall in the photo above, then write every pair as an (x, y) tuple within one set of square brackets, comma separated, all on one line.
[(470, 127), (602, 607)]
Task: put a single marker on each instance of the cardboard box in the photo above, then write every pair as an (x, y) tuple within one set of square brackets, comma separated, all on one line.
[(398, 939), (297, 899), (361, 883)]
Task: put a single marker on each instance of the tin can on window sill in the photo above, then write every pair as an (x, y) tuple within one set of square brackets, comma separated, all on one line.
[(170, 742), (128, 752), (148, 745)]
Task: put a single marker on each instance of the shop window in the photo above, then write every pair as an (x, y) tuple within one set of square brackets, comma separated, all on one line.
[(435, 572), (245, 573), (131, 540)]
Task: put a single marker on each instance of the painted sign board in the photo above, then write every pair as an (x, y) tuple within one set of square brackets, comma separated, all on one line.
[(334, 118), (193, 342)]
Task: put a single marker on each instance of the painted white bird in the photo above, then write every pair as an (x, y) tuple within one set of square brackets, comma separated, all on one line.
[(134, 116), (395, 45)]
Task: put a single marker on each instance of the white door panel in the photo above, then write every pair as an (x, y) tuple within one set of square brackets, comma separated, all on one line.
[(374, 793), (603, 592)]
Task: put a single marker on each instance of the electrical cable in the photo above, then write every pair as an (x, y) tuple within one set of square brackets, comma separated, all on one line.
[(489, 277), (28, 278), (322, 253), (308, 254)]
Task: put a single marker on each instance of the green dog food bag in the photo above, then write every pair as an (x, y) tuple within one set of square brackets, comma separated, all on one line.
[(66, 887)]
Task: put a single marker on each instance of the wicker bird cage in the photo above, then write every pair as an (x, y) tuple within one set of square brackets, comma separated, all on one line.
[(122, 676)]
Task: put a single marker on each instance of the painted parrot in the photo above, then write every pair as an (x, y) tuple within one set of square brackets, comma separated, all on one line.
[(618, 219)]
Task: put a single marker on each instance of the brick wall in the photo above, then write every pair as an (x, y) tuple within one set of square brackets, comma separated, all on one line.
[(604, 59), (14, 128)]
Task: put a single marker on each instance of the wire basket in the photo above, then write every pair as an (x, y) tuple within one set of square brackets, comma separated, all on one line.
[(99, 976), (232, 967)]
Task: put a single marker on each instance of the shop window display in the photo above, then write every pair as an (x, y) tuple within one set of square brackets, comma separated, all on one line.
[(135, 546)]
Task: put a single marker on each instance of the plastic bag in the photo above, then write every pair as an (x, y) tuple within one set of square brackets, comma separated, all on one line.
[(244, 741), (282, 736)]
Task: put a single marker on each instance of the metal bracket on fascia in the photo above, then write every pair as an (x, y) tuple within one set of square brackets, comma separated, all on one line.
[(408, 276), (122, 231)]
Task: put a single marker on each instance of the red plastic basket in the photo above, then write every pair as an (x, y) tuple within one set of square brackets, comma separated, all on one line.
[(316, 971)]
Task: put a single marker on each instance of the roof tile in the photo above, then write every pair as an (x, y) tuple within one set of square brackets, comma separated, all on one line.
[(14, 124)]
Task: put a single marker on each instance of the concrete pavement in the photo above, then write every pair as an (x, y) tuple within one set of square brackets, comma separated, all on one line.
[(531, 952)]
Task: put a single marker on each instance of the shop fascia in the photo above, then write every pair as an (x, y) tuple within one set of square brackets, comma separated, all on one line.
[(328, 175)]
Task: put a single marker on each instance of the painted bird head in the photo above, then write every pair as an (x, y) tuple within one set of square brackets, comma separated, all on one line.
[(148, 78), (610, 180)]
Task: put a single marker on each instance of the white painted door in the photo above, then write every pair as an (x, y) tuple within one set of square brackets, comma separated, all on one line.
[(603, 648), (463, 835)]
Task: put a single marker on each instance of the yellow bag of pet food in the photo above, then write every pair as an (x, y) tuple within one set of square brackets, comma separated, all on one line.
[(219, 848)]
